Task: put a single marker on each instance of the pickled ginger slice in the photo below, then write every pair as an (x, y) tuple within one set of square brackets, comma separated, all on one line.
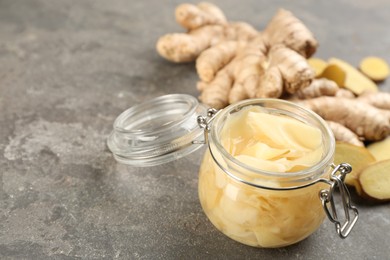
[(307, 160), (235, 135), (239, 213), (285, 132), (264, 165), (265, 238), (263, 151)]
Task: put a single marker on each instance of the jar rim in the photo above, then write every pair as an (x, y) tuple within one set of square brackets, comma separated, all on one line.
[(312, 173), (157, 131), (142, 109)]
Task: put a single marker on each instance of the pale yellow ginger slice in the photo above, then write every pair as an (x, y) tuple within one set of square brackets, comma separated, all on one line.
[(375, 68), (263, 151), (355, 81), (375, 181), (280, 165), (239, 213), (294, 154), (234, 138), (335, 73), (286, 132), (270, 142), (358, 157), (318, 65), (306, 161), (303, 135), (380, 149), (270, 239)]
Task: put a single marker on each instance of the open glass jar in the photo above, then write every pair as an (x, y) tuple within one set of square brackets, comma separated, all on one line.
[(270, 210)]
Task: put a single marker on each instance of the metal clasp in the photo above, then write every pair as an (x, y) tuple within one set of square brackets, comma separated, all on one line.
[(337, 177), (204, 123)]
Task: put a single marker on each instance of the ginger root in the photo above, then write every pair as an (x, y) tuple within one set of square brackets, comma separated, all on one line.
[(318, 88), (194, 16), (343, 134), (321, 87), (186, 47), (286, 29), (234, 61), (366, 116), (207, 26), (211, 60), (370, 110), (235, 80), (267, 66), (344, 93), (377, 99), (363, 119)]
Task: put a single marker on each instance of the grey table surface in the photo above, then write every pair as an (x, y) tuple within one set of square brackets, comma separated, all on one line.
[(68, 68)]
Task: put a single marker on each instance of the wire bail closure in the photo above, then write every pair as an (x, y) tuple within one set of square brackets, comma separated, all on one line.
[(204, 123), (337, 177)]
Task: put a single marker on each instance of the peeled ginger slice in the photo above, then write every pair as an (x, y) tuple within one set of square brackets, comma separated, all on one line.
[(375, 181), (280, 165), (380, 149), (271, 142), (263, 151), (286, 132), (235, 137), (355, 81), (375, 68), (308, 160), (268, 239), (358, 157), (238, 212), (318, 65), (335, 73)]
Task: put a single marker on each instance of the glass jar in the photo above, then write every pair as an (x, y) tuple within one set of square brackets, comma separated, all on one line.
[(271, 210)]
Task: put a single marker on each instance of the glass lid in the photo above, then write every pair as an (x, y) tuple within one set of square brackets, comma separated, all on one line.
[(160, 130)]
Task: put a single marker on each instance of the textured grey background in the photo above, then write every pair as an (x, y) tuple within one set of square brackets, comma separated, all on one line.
[(68, 68)]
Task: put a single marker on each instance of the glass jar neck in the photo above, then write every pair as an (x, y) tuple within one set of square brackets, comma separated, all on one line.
[(272, 180)]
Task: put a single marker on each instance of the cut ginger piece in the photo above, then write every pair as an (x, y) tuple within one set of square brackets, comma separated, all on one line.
[(355, 81), (375, 68), (380, 149), (263, 151), (335, 73), (265, 165), (306, 161), (234, 139), (286, 132), (318, 65), (358, 157), (375, 181)]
